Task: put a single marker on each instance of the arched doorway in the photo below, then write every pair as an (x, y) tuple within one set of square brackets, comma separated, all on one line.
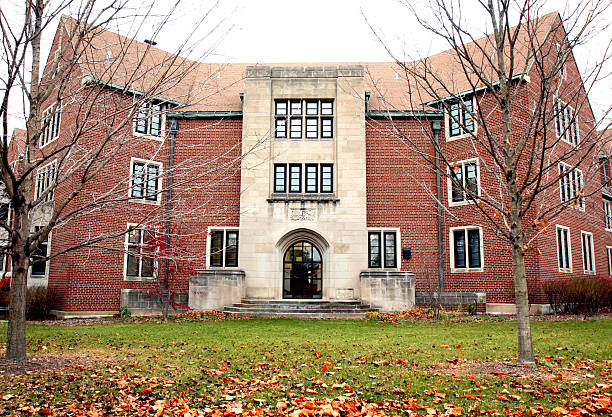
[(302, 271)]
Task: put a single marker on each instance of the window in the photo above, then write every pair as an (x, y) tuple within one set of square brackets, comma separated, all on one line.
[(5, 217), (139, 253), (607, 215), (223, 248), (50, 124), (312, 178), (464, 182), (40, 265), (146, 180), (459, 118), (564, 249), (566, 123), (382, 249), (570, 185), (588, 253), (609, 253), (306, 118), (45, 179), (149, 119), (466, 249)]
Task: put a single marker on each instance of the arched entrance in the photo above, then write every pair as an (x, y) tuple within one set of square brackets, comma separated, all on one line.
[(302, 271)]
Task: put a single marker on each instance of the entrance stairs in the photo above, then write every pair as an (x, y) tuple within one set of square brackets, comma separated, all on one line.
[(318, 309)]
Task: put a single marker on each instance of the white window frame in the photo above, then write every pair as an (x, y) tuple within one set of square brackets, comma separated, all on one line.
[(47, 262), (588, 262), (568, 243), (447, 119), (45, 171), (162, 128), (572, 175), (160, 187), (398, 248), (607, 208), (465, 200), (223, 229), (609, 253), (50, 132), (126, 244), (565, 113), (451, 240)]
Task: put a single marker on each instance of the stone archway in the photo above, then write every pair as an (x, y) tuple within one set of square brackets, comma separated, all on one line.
[(304, 260)]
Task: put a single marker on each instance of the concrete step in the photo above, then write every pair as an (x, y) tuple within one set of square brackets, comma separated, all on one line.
[(352, 309)]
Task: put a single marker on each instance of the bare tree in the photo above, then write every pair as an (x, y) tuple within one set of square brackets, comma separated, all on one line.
[(518, 103), (98, 86)]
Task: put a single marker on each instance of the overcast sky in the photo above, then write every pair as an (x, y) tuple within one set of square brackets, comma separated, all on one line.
[(268, 31)]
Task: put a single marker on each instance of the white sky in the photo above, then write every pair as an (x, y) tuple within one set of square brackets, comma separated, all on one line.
[(268, 31)]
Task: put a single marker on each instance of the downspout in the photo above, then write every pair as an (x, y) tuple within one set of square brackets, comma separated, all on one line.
[(173, 126), (436, 127)]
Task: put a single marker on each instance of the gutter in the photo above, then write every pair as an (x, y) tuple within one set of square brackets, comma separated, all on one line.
[(204, 114), (404, 113)]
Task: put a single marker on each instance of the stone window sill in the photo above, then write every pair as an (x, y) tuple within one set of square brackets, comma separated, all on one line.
[(286, 198)]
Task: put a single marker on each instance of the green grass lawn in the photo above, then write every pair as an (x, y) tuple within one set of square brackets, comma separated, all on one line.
[(259, 363)]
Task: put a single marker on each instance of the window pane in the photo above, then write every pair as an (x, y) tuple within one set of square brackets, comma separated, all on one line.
[(141, 123), (134, 236), (468, 122), (295, 178), (281, 127), (39, 267), (374, 249), (152, 182), (216, 249), (471, 180), (453, 120), (132, 262), (566, 248), (312, 108), (326, 178), (327, 108), (138, 180), (231, 250), (311, 178), (560, 248), (147, 265), (296, 128), (296, 107), (459, 249), (327, 128), (474, 248), (457, 183), (280, 185), (281, 108), (312, 128), (390, 250), (155, 120)]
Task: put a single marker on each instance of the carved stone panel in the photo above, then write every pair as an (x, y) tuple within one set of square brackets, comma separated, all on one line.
[(303, 214)]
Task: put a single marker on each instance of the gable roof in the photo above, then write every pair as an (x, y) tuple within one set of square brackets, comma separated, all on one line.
[(120, 62)]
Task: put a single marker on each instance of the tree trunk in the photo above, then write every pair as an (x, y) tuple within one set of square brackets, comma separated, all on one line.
[(16, 333), (521, 299)]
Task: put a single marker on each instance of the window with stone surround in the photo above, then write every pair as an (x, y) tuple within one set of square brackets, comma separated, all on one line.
[(45, 179), (146, 181), (464, 182), (566, 123), (564, 249), (149, 120), (459, 120), (223, 247), (382, 248), (307, 178), (466, 249), (588, 253), (304, 118), (51, 117), (570, 185), (139, 253), (607, 215), (39, 264)]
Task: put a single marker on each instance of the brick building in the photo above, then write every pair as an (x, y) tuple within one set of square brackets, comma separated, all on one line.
[(297, 182)]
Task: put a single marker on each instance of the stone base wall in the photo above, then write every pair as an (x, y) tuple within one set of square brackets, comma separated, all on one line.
[(389, 291), (215, 289), (140, 304)]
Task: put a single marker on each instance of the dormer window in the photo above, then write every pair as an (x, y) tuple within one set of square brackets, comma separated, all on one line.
[(149, 120), (459, 118)]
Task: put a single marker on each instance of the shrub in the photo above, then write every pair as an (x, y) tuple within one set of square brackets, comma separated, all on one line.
[(585, 296), (39, 302)]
